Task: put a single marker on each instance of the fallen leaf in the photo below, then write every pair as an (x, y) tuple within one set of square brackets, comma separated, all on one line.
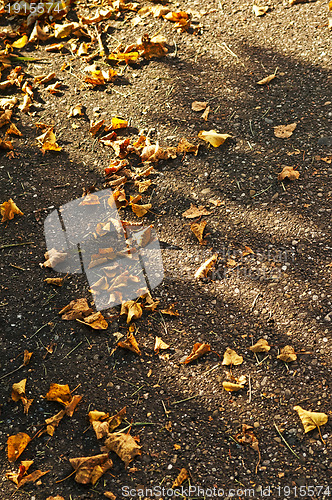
[(109, 494), (198, 105), (20, 43), (5, 117), (54, 281), (267, 79), (76, 309), (261, 345), (194, 212), (90, 469), (17, 476), (53, 422), (206, 113), (284, 131), (143, 185), (287, 354), (159, 344), (60, 393), (231, 387), (44, 78), (71, 406), (13, 130), (130, 343), (16, 444), (260, 10), (288, 173), (55, 498), (95, 321), (48, 141), (248, 437), (9, 209), (170, 310), (199, 350), (182, 19), (95, 126), (125, 57), (213, 137), (76, 110), (18, 393), (6, 145), (124, 446), (118, 123), (182, 477), (54, 88), (54, 257), (27, 357), (310, 419), (247, 251), (101, 14), (140, 210), (151, 47), (232, 358), (185, 146), (26, 103), (204, 268), (198, 230)]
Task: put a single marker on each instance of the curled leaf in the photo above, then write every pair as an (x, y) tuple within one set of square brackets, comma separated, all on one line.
[(159, 344), (231, 387), (90, 469), (198, 230), (310, 419), (287, 354), (16, 444), (232, 358), (288, 173), (267, 79), (198, 351), (203, 270), (124, 446), (261, 345), (213, 137), (9, 209), (131, 344), (182, 477)]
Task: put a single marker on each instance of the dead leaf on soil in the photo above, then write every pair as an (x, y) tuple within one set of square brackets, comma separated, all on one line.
[(198, 230), (132, 309), (213, 137), (181, 19), (90, 469), (204, 268), (151, 47), (6, 145), (9, 209), (109, 494), (60, 393), (232, 358), (48, 142), (77, 110), (260, 10), (95, 321), (118, 123), (159, 344), (130, 343), (248, 437), (198, 105), (310, 419), (54, 257), (170, 310), (194, 212), (55, 498), (288, 173), (18, 393), (20, 479), (76, 309), (143, 185), (247, 251), (185, 146), (261, 345), (231, 387), (182, 477), (26, 103), (13, 130), (53, 422), (16, 444), (27, 357), (124, 445), (287, 354), (103, 424), (267, 79), (95, 126), (284, 131), (140, 210), (199, 350), (54, 281)]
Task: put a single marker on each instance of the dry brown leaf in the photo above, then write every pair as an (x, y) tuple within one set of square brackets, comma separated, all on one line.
[(71, 406), (101, 14), (44, 78), (53, 422), (124, 446), (159, 344), (284, 131), (205, 115), (109, 494), (204, 268), (247, 251), (260, 10), (60, 393), (182, 477), (181, 19), (232, 358), (118, 123), (198, 230), (5, 117), (199, 350), (54, 281), (55, 498), (310, 419), (6, 145), (213, 137), (16, 477), (131, 344), (287, 354), (16, 444), (27, 357), (18, 393), (143, 185), (231, 387), (95, 321), (248, 437), (185, 146), (151, 47), (267, 79), (95, 126), (54, 257), (26, 103), (170, 310), (194, 212), (48, 141), (261, 345), (132, 309), (90, 469), (77, 110), (198, 105), (288, 173), (9, 209), (76, 309), (140, 210), (13, 130)]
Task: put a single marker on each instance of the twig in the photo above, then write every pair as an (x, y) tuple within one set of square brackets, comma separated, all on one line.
[(137, 423), (133, 394), (16, 245), (284, 440), (46, 324), (264, 190), (66, 356), (255, 299), (166, 411), (249, 382), (17, 267), (213, 368), (13, 371), (251, 130), (183, 400)]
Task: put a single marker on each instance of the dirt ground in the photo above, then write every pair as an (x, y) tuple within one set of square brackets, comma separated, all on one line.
[(279, 291)]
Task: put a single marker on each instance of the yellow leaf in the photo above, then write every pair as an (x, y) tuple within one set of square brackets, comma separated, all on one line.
[(53, 422), (26, 357), (9, 209), (119, 123), (185, 146), (16, 445), (260, 10), (232, 358), (287, 354), (194, 212), (288, 173), (159, 344), (13, 130), (310, 420), (213, 137), (198, 105), (131, 344), (60, 393), (230, 387), (143, 185), (48, 141), (76, 309), (54, 281), (284, 131), (170, 310), (199, 350), (261, 346), (140, 210), (95, 321), (182, 477), (124, 446), (267, 79), (20, 43), (198, 230), (203, 270)]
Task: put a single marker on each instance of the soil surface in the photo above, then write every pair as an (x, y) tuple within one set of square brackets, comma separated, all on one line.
[(278, 289)]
